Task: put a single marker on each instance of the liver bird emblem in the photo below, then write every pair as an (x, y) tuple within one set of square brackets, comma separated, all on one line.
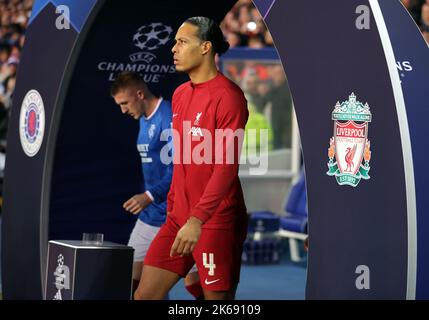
[(350, 154)]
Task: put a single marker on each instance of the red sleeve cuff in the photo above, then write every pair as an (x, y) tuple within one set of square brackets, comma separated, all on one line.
[(200, 214)]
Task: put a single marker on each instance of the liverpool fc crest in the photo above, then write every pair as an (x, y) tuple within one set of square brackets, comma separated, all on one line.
[(349, 150)]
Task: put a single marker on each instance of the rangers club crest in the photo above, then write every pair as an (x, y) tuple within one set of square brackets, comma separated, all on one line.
[(349, 151), (151, 131), (32, 123)]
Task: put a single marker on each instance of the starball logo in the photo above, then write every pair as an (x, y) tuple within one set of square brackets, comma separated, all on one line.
[(62, 277), (149, 39)]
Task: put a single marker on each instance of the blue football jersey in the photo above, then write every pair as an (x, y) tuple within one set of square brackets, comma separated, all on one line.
[(154, 138)]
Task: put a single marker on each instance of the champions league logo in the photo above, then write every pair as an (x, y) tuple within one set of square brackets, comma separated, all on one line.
[(150, 37), (32, 123), (147, 38)]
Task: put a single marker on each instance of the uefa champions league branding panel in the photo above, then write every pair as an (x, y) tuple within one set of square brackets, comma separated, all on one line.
[(149, 38)]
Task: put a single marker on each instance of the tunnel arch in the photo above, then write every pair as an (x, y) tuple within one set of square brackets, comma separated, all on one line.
[(336, 65)]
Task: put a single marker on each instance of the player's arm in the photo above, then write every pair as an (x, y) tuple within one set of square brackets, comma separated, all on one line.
[(170, 196), (161, 189), (232, 115), (138, 202)]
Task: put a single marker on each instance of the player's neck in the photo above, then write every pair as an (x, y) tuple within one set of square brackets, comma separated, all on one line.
[(149, 105), (204, 72)]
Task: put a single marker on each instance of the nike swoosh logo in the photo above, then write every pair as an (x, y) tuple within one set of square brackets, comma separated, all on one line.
[(210, 282), (175, 115)]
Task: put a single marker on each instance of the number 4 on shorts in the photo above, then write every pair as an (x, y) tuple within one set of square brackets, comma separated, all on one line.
[(211, 266)]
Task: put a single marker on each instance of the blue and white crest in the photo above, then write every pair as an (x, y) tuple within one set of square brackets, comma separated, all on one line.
[(151, 131), (32, 123)]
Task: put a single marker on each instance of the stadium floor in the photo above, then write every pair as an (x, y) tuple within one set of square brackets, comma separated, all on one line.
[(283, 281)]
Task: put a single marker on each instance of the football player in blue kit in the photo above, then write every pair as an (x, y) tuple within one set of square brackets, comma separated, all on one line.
[(154, 114)]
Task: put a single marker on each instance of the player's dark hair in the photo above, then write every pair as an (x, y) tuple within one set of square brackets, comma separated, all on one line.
[(209, 30), (125, 80)]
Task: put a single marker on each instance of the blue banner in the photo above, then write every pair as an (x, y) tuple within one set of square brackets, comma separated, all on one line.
[(348, 121), (78, 10), (264, 6), (412, 61)]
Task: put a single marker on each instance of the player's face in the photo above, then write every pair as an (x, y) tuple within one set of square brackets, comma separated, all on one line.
[(188, 50), (130, 102)]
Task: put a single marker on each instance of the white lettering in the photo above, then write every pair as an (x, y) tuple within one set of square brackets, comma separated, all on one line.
[(261, 160), (202, 153), (362, 281), (226, 148), (111, 66), (130, 67), (165, 68), (102, 66), (155, 68), (399, 66), (407, 66), (210, 264), (185, 310), (63, 21), (230, 137), (347, 132), (363, 21), (143, 147)]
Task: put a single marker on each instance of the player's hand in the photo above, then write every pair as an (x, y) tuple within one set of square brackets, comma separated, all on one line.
[(186, 238), (137, 203)]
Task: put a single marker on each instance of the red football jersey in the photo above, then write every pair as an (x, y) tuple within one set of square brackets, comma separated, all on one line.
[(205, 180)]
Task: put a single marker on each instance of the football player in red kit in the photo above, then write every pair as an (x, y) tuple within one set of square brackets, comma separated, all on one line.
[(207, 216)]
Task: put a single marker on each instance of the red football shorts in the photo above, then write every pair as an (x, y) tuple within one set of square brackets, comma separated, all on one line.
[(217, 255)]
